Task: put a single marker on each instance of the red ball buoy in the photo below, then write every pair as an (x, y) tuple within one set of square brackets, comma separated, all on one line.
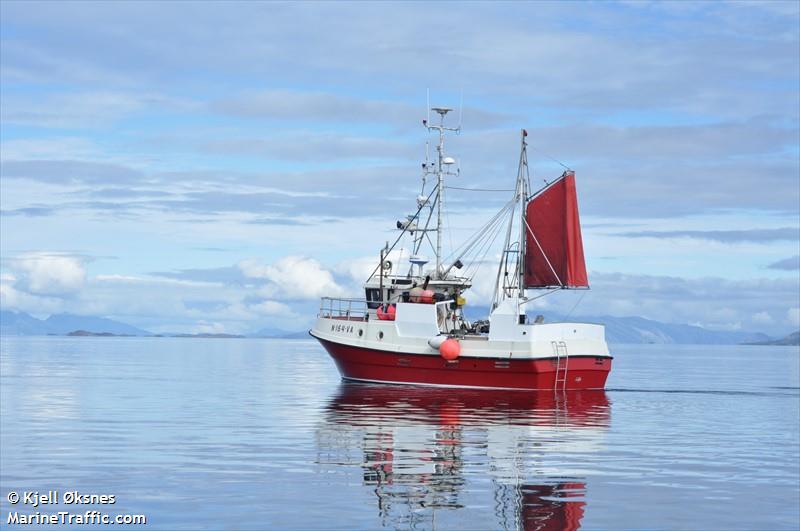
[(450, 349), (427, 296)]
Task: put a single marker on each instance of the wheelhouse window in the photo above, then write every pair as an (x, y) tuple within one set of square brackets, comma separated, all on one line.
[(373, 298)]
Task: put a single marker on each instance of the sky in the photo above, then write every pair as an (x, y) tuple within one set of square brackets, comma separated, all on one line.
[(217, 167)]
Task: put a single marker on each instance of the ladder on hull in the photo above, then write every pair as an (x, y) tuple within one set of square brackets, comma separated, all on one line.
[(562, 365)]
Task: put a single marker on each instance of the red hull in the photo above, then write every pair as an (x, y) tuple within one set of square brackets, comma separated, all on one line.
[(370, 365)]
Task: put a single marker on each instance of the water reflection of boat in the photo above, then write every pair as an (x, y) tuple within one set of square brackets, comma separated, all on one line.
[(418, 448)]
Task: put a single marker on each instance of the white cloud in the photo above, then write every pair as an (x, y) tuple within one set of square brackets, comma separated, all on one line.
[(714, 303), (357, 270), (86, 109), (49, 148), (133, 279), (12, 298), (268, 307), (46, 283), (281, 295), (762, 318), (50, 274), (327, 106), (293, 278), (204, 327)]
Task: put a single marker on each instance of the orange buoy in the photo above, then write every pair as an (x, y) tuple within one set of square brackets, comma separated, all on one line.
[(450, 349), (427, 296)]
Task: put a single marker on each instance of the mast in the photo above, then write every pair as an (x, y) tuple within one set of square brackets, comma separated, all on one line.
[(522, 186), (441, 170), (440, 180), (432, 202), (512, 285)]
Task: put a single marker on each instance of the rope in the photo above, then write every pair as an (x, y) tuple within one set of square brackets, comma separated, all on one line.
[(480, 239), (480, 189), (552, 158), (487, 248), (465, 247), (447, 219), (542, 251), (404, 231), (543, 294), (575, 305), (485, 244)]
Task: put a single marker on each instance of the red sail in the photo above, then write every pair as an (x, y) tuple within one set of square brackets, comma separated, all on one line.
[(554, 248)]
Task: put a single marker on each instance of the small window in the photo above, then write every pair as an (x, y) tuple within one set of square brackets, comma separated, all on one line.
[(373, 298)]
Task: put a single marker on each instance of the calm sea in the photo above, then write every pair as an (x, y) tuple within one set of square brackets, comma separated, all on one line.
[(259, 434)]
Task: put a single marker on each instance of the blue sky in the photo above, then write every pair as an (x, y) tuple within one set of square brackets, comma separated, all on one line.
[(218, 166)]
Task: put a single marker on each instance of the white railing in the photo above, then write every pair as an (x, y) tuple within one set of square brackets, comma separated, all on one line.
[(349, 309)]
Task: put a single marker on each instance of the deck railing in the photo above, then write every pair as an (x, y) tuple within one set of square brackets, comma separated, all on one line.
[(348, 309)]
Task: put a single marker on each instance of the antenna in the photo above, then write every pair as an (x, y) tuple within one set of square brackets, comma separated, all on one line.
[(428, 103), (460, 112)]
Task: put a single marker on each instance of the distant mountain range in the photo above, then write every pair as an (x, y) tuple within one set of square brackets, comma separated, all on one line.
[(14, 323), (636, 330), (790, 340), (282, 334), (21, 324), (640, 330)]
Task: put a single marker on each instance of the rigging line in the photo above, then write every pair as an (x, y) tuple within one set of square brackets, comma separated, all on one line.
[(464, 247), (547, 185), (447, 220), (527, 168), (403, 232), (490, 230), (474, 241), (575, 305), (488, 248), (552, 158), (542, 251), (501, 214), (479, 189), (490, 235), (427, 223), (429, 240), (474, 262), (496, 296), (483, 241), (543, 294)]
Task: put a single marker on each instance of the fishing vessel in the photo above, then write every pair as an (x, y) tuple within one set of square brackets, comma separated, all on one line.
[(411, 328)]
